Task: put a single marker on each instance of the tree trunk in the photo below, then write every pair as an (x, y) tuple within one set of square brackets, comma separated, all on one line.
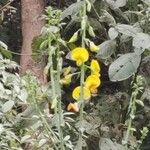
[(31, 12)]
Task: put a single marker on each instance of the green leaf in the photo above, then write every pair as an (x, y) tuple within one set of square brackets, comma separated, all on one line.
[(36, 42), (107, 144), (141, 41), (146, 2), (113, 33), (127, 29), (107, 17), (124, 67), (25, 138), (72, 10), (42, 142), (2, 44), (23, 95), (8, 106), (114, 4), (107, 48), (6, 53), (140, 102)]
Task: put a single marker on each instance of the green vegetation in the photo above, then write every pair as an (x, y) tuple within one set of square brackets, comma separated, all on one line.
[(94, 91)]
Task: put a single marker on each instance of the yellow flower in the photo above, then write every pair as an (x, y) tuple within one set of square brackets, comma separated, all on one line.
[(93, 47), (76, 93), (66, 80), (80, 55), (92, 83), (73, 107), (95, 67)]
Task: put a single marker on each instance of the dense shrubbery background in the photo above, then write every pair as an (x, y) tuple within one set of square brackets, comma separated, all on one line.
[(34, 115)]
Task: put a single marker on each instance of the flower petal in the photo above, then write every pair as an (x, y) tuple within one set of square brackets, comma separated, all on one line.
[(73, 107), (76, 93), (92, 83), (95, 67), (80, 55)]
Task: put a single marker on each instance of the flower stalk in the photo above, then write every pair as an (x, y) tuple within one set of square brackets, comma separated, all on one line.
[(56, 91), (137, 88), (83, 27)]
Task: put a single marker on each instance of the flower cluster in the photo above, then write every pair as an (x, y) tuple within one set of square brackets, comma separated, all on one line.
[(80, 56)]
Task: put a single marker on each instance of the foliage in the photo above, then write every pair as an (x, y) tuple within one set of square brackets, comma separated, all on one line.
[(12, 95), (76, 46)]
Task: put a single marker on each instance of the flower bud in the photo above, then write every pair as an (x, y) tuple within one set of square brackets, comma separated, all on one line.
[(91, 32), (93, 47), (74, 38)]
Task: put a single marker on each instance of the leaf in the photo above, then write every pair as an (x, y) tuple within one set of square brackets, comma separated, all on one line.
[(124, 67), (2, 44), (107, 144), (107, 48), (8, 106), (116, 3), (23, 95), (6, 53), (127, 29), (107, 17), (141, 41), (113, 33), (66, 138), (72, 10), (36, 42), (140, 102), (25, 138), (42, 142), (146, 2), (1, 128), (146, 94)]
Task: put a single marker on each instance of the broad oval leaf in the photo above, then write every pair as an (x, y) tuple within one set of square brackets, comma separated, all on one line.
[(8, 106), (107, 48), (124, 67), (141, 41), (114, 4), (127, 29), (113, 33)]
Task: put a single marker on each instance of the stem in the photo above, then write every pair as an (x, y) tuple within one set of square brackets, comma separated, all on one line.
[(81, 106), (130, 120), (51, 71), (56, 92), (60, 112), (131, 111), (82, 80), (44, 122)]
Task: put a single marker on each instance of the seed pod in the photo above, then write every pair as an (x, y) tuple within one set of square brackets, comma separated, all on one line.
[(91, 31), (74, 38), (93, 47), (88, 6)]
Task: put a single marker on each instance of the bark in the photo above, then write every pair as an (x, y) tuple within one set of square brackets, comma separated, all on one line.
[(31, 11)]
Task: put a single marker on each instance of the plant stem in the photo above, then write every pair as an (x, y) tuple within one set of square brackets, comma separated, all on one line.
[(81, 106), (60, 112), (84, 18), (44, 121), (131, 112), (133, 103), (56, 91)]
